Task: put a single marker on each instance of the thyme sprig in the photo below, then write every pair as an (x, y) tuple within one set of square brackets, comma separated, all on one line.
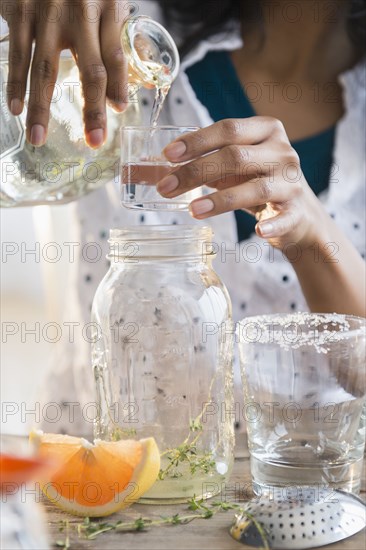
[(92, 529), (198, 510), (186, 452), (119, 433), (64, 544)]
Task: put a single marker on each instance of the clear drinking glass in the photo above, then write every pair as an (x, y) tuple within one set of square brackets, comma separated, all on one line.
[(143, 165), (304, 383)]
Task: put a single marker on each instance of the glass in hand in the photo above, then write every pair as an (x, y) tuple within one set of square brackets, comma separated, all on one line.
[(144, 164)]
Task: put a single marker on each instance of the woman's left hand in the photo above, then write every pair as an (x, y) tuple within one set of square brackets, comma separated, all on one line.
[(253, 167)]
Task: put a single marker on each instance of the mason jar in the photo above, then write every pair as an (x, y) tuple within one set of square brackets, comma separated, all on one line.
[(65, 168), (162, 356)]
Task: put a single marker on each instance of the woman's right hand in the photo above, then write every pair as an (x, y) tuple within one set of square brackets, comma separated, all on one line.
[(91, 30), (252, 165)]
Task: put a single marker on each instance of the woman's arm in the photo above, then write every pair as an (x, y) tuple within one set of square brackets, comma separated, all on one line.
[(252, 166), (331, 272)]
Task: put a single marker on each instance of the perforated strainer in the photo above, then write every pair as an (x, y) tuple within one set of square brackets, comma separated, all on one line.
[(313, 519)]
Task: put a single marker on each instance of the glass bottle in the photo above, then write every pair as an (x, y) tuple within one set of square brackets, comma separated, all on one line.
[(162, 356), (65, 167)]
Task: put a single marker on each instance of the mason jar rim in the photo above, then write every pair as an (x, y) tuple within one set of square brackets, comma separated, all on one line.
[(167, 242), (151, 232)]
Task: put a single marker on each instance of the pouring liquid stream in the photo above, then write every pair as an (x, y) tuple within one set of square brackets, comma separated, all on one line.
[(161, 92), (160, 96)]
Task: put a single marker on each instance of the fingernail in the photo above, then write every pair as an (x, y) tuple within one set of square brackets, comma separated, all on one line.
[(198, 208), (167, 185), (118, 106), (96, 137), (16, 106), (175, 150), (37, 135), (266, 229)]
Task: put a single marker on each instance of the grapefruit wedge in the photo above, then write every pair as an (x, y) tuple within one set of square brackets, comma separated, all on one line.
[(96, 479)]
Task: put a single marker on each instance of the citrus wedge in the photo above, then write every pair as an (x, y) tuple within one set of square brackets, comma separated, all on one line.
[(96, 479)]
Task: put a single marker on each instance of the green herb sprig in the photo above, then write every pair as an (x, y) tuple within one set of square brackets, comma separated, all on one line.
[(186, 452), (64, 544), (93, 529), (198, 508)]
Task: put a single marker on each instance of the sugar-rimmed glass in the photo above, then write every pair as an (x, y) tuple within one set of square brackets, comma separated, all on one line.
[(304, 384)]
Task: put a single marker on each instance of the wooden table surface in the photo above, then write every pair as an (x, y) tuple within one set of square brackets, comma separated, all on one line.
[(205, 534)]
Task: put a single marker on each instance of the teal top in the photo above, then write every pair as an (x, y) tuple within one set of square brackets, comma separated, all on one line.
[(218, 88)]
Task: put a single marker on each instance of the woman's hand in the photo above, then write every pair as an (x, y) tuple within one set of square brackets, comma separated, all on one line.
[(92, 31), (253, 167)]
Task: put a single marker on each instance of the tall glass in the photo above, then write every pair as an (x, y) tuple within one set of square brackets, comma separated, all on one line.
[(144, 164), (304, 386)]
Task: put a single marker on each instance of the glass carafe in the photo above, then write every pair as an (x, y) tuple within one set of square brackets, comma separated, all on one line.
[(65, 167), (162, 356)]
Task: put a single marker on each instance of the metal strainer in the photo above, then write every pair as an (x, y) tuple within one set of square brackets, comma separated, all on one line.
[(312, 519)]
